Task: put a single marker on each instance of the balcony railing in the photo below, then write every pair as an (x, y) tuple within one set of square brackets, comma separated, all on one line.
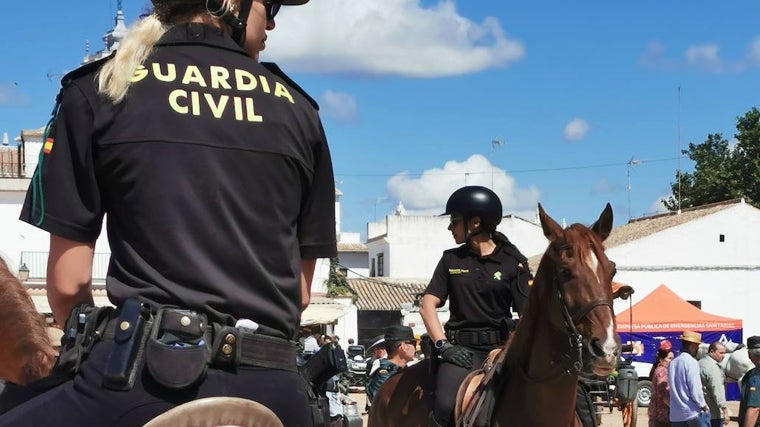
[(36, 262)]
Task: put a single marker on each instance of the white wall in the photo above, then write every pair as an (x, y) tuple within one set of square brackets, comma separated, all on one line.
[(690, 260), (412, 245)]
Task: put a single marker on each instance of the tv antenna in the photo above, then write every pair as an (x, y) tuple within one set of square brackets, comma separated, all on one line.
[(496, 142), (629, 165)]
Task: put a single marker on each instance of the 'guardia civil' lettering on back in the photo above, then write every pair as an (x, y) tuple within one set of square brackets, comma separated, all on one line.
[(193, 100)]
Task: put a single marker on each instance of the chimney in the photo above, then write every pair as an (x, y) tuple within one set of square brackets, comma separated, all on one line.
[(5, 138)]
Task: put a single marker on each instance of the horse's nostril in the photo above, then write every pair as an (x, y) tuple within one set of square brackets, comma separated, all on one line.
[(595, 347)]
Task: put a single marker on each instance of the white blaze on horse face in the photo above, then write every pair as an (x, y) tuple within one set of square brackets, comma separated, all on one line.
[(610, 346), (593, 263)]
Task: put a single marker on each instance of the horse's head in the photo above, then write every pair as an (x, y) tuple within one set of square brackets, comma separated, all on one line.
[(582, 280)]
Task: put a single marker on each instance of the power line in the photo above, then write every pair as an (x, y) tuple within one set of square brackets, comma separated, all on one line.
[(516, 171)]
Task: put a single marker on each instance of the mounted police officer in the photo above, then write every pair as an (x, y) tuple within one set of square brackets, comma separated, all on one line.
[(401, 346), (483, 279), (215, 175)]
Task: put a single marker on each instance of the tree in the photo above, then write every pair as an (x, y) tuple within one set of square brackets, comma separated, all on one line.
[(722, 172), (336, 284)]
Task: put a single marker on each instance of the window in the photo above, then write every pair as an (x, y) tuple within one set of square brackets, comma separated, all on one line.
[(380, 264), (697, 304), (721, 238), (372, 269)]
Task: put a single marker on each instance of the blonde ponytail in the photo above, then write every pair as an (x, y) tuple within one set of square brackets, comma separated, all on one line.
[(115, 76)]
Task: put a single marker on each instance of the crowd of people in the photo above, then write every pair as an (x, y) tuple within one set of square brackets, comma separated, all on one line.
[(692, 393)]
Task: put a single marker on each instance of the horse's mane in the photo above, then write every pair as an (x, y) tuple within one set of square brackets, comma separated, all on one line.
[(23, 327)]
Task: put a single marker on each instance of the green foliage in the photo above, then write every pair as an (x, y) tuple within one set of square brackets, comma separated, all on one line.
[(337, 285), (722, 172)]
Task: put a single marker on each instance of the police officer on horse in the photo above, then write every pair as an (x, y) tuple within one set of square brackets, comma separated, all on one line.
[(483, 279)]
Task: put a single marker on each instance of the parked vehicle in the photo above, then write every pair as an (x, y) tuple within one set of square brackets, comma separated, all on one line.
[(356, 375)]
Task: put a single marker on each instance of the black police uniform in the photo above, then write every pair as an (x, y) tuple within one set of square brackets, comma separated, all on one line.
[(217, 180), (481, 291)]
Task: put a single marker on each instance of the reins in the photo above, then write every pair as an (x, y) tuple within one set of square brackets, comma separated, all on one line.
[(570, 361)]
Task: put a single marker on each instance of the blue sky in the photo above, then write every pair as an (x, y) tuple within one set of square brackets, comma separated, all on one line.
[(582, 97)]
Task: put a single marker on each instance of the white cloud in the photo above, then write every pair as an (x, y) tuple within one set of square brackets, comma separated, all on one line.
[(704, 57), (753, 52), (340, 106), (655, 57), (428, 193), (388, 37), (657, 206), (575, 130)]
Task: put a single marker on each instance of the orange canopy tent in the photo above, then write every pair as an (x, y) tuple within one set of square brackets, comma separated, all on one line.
[(664, 311), (664, 315)]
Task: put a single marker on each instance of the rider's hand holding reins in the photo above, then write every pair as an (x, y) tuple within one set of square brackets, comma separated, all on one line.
[(457, 355)]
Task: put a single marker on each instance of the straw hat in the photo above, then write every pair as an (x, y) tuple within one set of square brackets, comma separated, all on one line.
[(690, 336)]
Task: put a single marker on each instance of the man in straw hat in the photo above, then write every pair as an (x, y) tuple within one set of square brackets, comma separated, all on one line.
[(688, 407), (749, 408)]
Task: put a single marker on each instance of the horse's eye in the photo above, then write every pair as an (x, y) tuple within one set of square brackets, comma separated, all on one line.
[(565, 273)]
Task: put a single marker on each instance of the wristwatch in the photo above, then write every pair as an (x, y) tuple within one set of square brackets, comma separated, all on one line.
[(439, 344)]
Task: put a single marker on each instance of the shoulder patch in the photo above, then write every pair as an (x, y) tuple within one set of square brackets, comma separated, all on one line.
[(382, 371), (274, 68)]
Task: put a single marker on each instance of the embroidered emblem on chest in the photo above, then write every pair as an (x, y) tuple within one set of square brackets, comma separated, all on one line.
[(497, 275)]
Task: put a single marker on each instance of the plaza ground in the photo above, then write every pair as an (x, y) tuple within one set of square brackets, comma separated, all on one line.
[(609, 419)]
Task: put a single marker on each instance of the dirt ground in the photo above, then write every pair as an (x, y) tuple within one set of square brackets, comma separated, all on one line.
[(609, 419)]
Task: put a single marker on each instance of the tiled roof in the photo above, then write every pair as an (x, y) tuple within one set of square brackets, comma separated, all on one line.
[(352, 247), (646, 226), (385, 294)]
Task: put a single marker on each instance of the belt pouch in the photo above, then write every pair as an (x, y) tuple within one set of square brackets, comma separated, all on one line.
[(84, 327), (128, 345), (177, 352)]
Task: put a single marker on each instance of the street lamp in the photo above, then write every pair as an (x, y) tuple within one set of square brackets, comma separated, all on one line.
[(23, 272)]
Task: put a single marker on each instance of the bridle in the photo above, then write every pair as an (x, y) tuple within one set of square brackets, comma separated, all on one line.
[(575, 338), (570, 362)]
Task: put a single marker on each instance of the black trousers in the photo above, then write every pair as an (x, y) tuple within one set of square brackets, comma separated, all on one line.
[(447, 383), (83, 402)]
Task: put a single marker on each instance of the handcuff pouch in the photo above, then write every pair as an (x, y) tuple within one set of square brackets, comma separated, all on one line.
[(177, 352)]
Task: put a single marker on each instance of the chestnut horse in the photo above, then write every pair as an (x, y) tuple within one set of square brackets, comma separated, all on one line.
[(568, 326), (26, 353)]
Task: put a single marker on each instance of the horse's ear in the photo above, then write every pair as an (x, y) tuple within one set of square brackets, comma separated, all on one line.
[(552, 230), (603, 225)]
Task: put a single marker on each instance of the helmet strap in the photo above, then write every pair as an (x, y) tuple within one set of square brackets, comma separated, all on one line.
[(237, 23)]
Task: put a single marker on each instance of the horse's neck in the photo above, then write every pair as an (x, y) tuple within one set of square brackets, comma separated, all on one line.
[(540, 342)]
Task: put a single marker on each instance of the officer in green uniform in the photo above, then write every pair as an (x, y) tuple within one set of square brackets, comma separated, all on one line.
[(401, 346), (749, 408)]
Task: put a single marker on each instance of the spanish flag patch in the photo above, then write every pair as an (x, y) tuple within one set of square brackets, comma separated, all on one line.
[(48, 147)]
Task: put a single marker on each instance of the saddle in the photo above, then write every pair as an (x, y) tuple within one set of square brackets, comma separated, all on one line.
[(477, 393)]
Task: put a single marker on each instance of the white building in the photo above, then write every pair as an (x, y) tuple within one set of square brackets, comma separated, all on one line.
[(410, 246), (708, 255)]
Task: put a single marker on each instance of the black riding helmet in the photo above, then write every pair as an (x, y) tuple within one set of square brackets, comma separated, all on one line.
[(474, 200), (215, 7)]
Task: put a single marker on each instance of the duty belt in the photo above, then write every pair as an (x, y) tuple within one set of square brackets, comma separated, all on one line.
[(488, 337), (231, 346)]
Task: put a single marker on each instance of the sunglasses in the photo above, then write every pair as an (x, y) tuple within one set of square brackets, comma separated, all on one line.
[(272, 7), (411, 342)]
